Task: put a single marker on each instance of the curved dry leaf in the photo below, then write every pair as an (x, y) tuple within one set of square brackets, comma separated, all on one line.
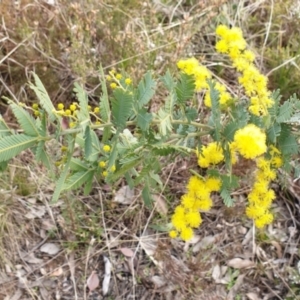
[(50, 248), (125, 195), (239, 263), (161, 205), (252, 296), (127, 252), (57, 272), (93, 281)]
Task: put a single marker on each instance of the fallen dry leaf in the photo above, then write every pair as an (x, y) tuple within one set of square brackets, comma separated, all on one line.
[(30, 258), (125, 195), (127, 252), (57, 272), (93, 281), (36, 213), (239, 263), (161, 205), (252, 296), (50, 248)]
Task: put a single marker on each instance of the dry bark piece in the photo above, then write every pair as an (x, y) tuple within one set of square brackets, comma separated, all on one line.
[(239, 263)]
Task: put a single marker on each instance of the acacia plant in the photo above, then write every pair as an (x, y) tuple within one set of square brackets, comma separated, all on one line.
[(121, 137)]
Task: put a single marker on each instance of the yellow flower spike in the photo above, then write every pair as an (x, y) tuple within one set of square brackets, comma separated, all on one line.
[(213, 184), (173, 234), (113, 168), (104, 173), (35, 106), (64, 148), (106, 148), (102, 164), (108, 78), (72, 124), (118, 76), (128, 81), (250, 141), (89, 108), (60, 106), (211, 154), (113, 85), (97, 123), (96, 110), (186, 233), (36, 113)]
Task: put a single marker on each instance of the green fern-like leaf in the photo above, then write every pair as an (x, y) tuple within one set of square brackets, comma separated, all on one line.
[(285, 112), (121, 108), (82, 97), (43, 97), (4, 129), (104, 102), (77, 164), (185, 88), (147, 195), (11, 146), (225, 195), (87, 142), (287, 143), (168, 81), (144, 119), (78, 179), (126, 167), (95, 151), (26, 121), (165, 124), (145, 90), (39, 150)]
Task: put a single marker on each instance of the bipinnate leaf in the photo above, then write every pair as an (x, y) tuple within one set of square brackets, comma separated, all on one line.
[(121, 108), (63, 176), (287, 143), (146, 89), (285, 112), (78, 179), (4, 129), (185, 88), (26, 121), (43, 97), (82, 97), (168, 81), (11, 146), (87, 142), (165, 125), (104, 102), (143, 119), (77, 164)]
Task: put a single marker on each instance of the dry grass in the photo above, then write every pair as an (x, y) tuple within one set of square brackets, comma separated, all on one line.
[(67, 43)]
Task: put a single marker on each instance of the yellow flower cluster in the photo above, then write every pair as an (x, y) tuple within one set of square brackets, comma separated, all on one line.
[(249, 141), (118, 80), (191, 66), (187, 215), (255, 84), (261, 196), (211, 154), (71, 112)]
